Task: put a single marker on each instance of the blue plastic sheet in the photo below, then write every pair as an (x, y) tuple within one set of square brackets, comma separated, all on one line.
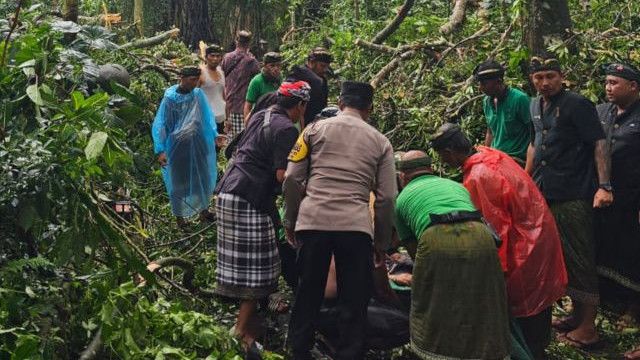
[(185, 130)]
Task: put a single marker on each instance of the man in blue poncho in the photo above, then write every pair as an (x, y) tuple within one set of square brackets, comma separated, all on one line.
[(184, 135)]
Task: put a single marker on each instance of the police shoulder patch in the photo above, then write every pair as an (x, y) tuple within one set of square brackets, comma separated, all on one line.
[(300, 149)]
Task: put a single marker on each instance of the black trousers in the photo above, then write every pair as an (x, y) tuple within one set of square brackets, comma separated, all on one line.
[(354, 264)]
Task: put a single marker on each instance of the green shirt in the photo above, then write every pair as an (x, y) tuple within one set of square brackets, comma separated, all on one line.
[(424, 195), (260, 86), (509, 122)]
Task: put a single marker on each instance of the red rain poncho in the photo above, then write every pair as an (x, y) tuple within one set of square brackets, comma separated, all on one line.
[(531, 253)]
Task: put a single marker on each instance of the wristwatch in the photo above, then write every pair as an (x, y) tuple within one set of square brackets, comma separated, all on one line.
[(606, 186)]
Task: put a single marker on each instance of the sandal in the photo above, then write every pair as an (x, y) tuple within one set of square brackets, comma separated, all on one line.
[(581, 345)]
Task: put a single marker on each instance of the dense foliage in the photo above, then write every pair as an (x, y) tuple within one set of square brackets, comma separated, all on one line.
[(70, 146)]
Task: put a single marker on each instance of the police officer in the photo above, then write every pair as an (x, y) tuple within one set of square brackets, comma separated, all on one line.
[(618, 227), (333, 167), (568, 146)]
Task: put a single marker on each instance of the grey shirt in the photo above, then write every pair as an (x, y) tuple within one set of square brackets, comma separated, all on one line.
[(332, 169)]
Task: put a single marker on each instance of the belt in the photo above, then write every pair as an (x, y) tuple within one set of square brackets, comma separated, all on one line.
[(455, 217)]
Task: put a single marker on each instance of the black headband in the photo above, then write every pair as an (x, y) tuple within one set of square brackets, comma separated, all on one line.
[(404, 165), (190, 71), (624, 71), (539, 64)]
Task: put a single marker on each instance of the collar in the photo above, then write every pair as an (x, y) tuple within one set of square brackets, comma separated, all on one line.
[(351, 112)]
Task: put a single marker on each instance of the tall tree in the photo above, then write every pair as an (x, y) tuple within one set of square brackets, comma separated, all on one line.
[(547, 20), (192, 17)]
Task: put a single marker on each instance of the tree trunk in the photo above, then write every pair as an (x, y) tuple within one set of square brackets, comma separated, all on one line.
[(138, 16), (547, 20), (70, 10), (192, 17)]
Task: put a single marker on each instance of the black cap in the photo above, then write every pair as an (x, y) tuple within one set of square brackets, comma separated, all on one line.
[(488, 70), (444, 134), (357, 93), (538, 64), (320, 54), (214, 49), (625, 71), (328, 112), (190, 71), (271, 58)]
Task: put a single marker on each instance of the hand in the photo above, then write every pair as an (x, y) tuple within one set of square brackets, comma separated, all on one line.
[(603, 198), (401, 279), (290, 234), (395, 257), (162, 159)]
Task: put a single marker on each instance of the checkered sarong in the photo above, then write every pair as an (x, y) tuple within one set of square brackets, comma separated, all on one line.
[(237, 124), (248, 264)]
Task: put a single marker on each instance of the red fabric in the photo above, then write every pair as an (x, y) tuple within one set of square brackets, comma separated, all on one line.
[(531, 253)]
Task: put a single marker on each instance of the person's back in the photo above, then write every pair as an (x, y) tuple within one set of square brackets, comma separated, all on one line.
[(458, 300), (345, 153), (531, 253)]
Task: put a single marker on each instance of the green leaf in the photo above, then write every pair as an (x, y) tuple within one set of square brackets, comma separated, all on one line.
[(78, 99), (34, 94), (95, 145), (130, 113), (27, 215)]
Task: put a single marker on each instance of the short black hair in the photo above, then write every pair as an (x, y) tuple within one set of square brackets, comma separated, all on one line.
[(450, 136), (288, 102), (356, 94)]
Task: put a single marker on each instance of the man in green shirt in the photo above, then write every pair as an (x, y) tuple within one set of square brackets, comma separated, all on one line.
[(268, 80), (458, 301), (506, 110)]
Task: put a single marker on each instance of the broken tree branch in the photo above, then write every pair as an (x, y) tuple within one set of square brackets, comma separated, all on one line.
[(154, 40), (475, 36), (437, 45), (457, 17), (14, 24), (394, 24), (387, 69)]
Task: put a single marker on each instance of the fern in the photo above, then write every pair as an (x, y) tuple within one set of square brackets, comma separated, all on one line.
[(18, 266)]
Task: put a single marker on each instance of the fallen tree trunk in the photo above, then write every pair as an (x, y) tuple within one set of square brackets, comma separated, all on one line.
[(385, 71), (154, 40), (394, 24)]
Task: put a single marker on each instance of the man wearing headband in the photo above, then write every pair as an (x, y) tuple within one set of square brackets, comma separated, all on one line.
[(184, 136), (568, 146), (239, 67), (334, 166), (314, 72), (458, 291), (212, 83), (531, 253), (618, 227), (268, 80), (248, 264), (506, 110)]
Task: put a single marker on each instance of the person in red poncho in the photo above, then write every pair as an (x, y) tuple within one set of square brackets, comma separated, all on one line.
[(531, 252)]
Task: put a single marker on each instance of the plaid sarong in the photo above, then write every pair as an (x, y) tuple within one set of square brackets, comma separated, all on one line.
[(237, 124), (248, 264)]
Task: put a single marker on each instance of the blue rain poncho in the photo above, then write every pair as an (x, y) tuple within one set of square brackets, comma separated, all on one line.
[(184, 129)]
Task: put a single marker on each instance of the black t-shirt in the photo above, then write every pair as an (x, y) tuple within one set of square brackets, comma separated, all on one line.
[(252, 176), (565, 134), (319, 91), (623, 137)]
